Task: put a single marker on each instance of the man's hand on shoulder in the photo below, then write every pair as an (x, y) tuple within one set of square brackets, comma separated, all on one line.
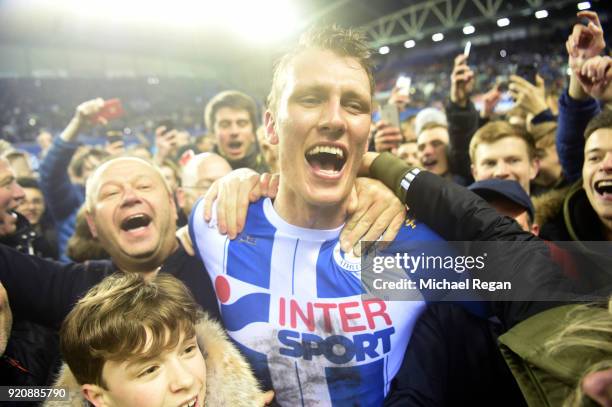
[(233, 193), (375, 212)]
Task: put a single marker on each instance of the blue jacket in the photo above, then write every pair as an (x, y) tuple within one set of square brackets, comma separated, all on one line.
[(63, 198), (574, 115)]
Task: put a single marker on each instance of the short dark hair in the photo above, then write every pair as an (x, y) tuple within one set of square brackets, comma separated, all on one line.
[(232, 99), (346, 42), (601, 121), (78, 163)]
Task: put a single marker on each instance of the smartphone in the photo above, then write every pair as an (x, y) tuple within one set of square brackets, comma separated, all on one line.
[(467, 49), (390, 115), (527, 72), (403, 84), (585, 38), (502, 83), (112, 109)]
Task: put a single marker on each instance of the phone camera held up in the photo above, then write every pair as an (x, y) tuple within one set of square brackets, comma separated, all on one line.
[(502, 83), (527, 72)]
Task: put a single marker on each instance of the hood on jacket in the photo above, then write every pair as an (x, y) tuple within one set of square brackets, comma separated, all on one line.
[(581, 220), (548, 205), (229, 379), (545, 379)]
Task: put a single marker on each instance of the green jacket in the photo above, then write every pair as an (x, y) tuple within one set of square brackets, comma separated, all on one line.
[(545, 380)]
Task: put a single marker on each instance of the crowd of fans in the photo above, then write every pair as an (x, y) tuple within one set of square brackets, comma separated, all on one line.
[(27, 105), (545, 164), (491, 63)]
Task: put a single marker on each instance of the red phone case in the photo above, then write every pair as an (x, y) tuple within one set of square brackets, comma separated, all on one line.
[(113, 109)]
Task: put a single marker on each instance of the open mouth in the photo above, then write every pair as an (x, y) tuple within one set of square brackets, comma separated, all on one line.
[(234, 145), (134, 222), (327, 160), (191, 403), (603, 187), (429, 162)]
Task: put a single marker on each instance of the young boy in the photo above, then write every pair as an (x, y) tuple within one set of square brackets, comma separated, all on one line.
[(133, 342)]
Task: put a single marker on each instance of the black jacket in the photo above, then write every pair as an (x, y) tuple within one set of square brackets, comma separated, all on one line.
[(462, 124), (576, 219), (453, 360), (30, 240), (458, 214), (44, 291)]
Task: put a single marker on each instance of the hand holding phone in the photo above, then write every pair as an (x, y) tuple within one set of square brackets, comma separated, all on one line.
[(462, 81), (403, 85), (387, 137), (467, 49), (111, 110), (527, 72), (390, 115)]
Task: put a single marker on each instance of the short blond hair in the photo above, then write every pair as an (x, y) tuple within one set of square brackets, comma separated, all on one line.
[(345, 42), (126, 317), (497, 130)]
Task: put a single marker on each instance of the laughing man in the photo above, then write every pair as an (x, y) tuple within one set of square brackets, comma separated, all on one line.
[(289, 296)]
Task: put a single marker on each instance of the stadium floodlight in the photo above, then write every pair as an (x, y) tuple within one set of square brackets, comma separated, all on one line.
[(384, 50), (469, 29), (584, 5), (503, 22), (541, 14), (409, 44), (263, 21), (503, 53), (437, 37)]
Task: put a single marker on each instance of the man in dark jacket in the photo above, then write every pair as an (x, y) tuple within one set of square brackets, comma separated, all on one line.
[(465, 368)]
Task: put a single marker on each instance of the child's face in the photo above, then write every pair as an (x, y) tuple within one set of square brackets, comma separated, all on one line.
[(173, 378)]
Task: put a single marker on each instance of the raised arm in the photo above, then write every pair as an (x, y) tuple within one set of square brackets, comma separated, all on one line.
[(63, 198), (458, 214), (462, 116), (577, 106)]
